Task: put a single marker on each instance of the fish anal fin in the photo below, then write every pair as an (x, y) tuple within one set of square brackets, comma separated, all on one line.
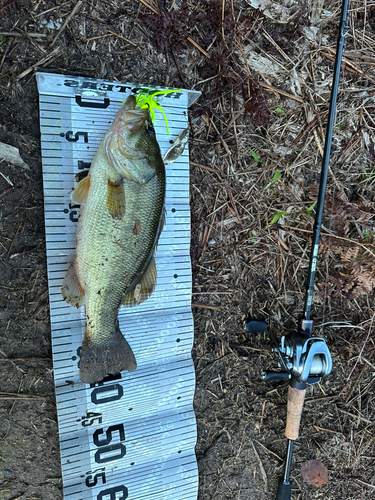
[(71, 289), (144, 288), (81, 191), (116, 199)]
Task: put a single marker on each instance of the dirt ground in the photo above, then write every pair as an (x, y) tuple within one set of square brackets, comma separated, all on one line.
[(256, 137)]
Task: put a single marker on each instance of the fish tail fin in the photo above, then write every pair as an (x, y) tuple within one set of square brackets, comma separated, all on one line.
[(101, 358)]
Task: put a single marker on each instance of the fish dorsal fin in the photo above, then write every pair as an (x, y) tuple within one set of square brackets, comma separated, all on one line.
[(71, 290), (144, 288), (116, 199), (81, 191)]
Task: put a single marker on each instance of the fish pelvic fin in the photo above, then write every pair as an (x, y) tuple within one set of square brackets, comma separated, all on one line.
[(144, 288), (81, 191), (116, 199), (71, 290), (103, 357)]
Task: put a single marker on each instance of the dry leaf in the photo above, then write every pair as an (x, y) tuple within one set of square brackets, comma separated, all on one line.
[(12, 155), (315, 473)]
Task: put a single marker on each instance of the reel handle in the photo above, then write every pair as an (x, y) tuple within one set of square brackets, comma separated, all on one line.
[(296, 398)]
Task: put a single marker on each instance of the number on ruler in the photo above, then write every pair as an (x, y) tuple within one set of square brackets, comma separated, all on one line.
[(93, 481), (70, 138), (98, 394), (90, 418), (111, 493), (72, 211), (101, 456)]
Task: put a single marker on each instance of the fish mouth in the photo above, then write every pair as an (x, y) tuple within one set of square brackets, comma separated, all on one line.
[(131, 118), (134, 119)]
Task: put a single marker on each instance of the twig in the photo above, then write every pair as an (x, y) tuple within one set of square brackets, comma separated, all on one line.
[(278, 91), (284, 245), (10, 247), (69, 17), (5, 192), (5, 52), (326, 430), (233, 119), (263, 472), (332, 236), (318, 142), (357, 70), (203, 167), (234, 206), (204, 306), (269, 451), (149, 6), (221, 138), (348, 66), (122, 38), (20, 33), (198, 47), (96, 19), (14, 395), (356, 416), (18, 391), (279, 49), (39, 63)]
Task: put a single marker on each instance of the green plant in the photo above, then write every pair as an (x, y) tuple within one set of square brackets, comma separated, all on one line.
[(275, 178), (311, 208), (277, 217), (369, 176), (254, 155)]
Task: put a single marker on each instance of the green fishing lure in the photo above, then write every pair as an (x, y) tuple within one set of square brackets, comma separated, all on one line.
[(146, 99)]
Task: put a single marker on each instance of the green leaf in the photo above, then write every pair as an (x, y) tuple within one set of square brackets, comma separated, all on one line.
[(366, 236), (277, 217), (276, 177), (280, 111), (254, 155), (310, 209)]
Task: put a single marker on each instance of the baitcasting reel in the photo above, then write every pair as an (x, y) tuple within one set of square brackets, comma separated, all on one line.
[(302, 358)]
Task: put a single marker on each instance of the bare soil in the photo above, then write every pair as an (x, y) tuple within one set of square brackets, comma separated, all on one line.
[(256, 139)]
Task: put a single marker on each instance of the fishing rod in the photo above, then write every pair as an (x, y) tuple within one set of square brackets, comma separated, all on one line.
[(305, 359)]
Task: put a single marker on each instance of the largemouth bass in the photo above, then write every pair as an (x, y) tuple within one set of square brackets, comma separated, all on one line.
[(121, 218)]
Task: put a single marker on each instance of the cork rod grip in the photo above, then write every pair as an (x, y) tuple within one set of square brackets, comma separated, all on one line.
[(294, 412)]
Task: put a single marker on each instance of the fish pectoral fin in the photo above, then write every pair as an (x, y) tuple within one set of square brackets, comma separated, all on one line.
[(81, 191), (71, 290), (144, 288), (116, 199)]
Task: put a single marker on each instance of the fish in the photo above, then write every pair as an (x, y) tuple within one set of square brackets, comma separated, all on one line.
[(120, 221)]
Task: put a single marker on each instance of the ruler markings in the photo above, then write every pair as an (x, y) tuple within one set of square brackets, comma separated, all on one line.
[(163, 384)]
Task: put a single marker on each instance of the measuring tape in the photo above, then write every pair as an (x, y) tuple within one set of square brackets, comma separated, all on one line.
[(131, 436)]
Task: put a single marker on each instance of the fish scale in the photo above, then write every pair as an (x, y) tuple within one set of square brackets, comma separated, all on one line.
[(140, 461)]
